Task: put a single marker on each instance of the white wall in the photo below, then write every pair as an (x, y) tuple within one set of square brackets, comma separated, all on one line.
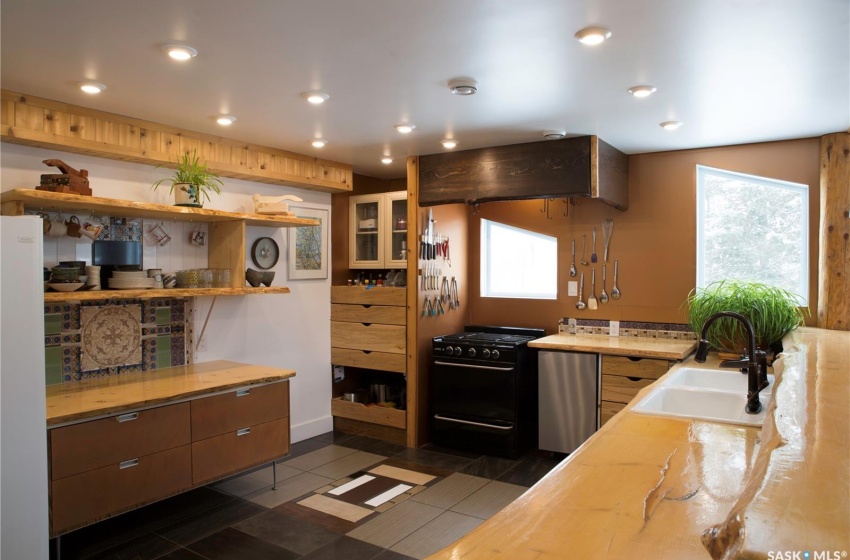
[(281, 330)]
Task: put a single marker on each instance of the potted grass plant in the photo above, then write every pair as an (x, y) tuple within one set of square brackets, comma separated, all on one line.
[(773, 312), (192, 181)]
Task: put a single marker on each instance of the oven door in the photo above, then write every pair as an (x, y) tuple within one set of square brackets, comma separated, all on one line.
[(478, 393)]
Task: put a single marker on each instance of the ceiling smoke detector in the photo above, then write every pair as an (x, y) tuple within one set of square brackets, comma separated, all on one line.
[(553, 134), (463, 86)]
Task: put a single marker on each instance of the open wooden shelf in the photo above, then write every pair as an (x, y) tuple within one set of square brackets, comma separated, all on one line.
[(373, 414), (61, 297)]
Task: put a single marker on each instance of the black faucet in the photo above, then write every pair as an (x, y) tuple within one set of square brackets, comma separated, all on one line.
[(754, 363)]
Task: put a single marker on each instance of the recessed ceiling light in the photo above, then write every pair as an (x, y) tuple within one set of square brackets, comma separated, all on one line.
[(463, 86), (386, 160), (642, 91), (449, 143), (592, 35), (315, 97), (405, 128), (319, 143), (553, 134), (180, 52), (671, 125), (225, 120), (91, 87)]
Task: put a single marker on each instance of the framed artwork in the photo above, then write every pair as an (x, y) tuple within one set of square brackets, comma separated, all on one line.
[(308, 245)]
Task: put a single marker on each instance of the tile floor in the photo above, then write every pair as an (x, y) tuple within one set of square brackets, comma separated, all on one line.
[(338, 496)]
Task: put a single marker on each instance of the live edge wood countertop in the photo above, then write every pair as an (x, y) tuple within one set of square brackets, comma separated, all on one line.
[(69, 402), (647, 487), (617, 345)]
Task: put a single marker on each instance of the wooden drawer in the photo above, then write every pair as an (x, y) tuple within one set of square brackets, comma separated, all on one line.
[(644, 368), (372, 296), (382, 314), (97, 494), (234, 451), (372, 414), (228, 412), (616, 388), (371, 360), (90, 445), (376, 338), (608, 410)]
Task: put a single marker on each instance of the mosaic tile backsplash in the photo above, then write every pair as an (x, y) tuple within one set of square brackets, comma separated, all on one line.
[(110, 337), (673, 331)]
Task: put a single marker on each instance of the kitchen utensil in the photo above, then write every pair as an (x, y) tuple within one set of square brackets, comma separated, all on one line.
[(603, 297), (73, 227), (573, 263), (607, 229), (615, 292), (583, 247), (591, 301), (580, 304), (593, 257)]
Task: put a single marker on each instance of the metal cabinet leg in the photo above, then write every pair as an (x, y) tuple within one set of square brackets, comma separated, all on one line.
[(274, 475)]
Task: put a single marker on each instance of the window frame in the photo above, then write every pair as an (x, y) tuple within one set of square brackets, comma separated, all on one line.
[(484, 270)]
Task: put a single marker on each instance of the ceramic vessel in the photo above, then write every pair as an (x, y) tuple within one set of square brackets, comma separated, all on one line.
[(186, 194), (255, 277)]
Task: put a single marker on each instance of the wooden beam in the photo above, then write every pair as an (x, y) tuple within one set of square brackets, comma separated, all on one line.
[(834, 261), (43, 123), (414, 376)]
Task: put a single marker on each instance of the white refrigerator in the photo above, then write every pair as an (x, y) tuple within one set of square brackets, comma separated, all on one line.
[(23, 433)]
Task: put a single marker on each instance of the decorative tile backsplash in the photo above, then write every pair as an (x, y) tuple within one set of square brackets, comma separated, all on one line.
[(109, 337), (673, 331)]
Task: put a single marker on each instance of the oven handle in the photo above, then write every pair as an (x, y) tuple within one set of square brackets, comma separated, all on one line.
[(453, 364), (438, 417)]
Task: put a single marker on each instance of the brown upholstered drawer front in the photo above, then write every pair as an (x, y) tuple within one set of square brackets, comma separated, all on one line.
[(375, 338), (608, 410), (213, 416), (90, 445), (616, 388), (382, 361), (96, 494), (645, 368), (239, 449), (382, 314)]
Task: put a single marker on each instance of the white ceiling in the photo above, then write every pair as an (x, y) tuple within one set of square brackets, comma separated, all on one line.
[(735, 71)]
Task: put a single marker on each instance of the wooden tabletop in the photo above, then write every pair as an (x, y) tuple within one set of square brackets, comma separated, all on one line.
[(647, 487), (617, 345), (80, 400)]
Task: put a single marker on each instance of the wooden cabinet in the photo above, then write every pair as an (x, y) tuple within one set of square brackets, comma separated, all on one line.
[(378, 236), (622, 378)]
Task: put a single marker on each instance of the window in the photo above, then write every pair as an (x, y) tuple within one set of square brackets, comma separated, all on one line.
[(517, 263), (753, 229)]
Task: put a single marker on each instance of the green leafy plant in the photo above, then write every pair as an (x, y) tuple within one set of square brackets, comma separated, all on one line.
[(772, 311), (191, 171)]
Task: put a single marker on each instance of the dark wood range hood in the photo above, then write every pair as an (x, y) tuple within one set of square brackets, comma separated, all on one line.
[(583, 166)]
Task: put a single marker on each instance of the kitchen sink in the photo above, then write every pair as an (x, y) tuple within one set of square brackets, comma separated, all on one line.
[(702, 404), (717, 379)]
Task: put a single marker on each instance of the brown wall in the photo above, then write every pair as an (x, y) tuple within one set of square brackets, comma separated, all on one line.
[(654, 240)]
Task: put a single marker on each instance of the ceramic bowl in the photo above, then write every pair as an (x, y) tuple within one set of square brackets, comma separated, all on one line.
[(255, 277), (66, 286)]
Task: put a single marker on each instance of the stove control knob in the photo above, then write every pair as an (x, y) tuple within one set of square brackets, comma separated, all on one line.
[(494, 354), (458, 351), (447, 350), (485, 353), (471, 352)]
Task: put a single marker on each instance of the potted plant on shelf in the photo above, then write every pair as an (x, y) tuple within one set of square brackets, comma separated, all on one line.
[(773, 312), (192, 181)]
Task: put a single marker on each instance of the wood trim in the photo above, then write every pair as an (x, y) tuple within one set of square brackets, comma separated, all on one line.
[(834, 259), (375, 338), (62, 297), (643, 368), (227, 250), (382, 361), (622, 389), (608, 410), (383, 314), (372, 414), (372, 296), (43, 123), (385, 433), (414, 377)]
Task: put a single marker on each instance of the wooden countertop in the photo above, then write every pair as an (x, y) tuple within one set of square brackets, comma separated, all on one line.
[(68, 402), (648, 487), (618, 345)]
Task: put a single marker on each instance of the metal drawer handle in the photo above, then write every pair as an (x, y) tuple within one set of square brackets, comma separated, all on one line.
[(243, 392), (128, 463), (451, 364), (438, 417), (128, 417), (243, 432)]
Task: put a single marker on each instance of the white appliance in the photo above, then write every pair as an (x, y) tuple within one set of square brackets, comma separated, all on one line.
[(23, 430)]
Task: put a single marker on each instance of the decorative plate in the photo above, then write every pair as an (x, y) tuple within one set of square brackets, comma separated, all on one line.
[(265, 252)]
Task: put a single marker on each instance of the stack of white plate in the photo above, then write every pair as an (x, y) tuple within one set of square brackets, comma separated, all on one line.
[(135, 280)]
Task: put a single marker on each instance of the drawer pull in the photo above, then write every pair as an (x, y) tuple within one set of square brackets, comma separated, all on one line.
[(243, 432), (128, 417), (243, 392), (128, 463)]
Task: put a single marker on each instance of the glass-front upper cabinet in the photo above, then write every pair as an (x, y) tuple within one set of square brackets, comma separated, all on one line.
[(378, 230)]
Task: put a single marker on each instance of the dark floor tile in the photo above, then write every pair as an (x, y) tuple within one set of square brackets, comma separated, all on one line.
[(333, 437), (347, 548), (207, 522), (287, 531), (230, 544), (385, 448), (361, 443), (323, 520), (183, 554), (392, 555), (430, 458), (489, 467), (146, 547), (451, 451), (529, 470)]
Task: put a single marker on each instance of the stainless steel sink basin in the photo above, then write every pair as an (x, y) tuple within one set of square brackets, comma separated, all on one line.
[(717, 379), (702, 404)]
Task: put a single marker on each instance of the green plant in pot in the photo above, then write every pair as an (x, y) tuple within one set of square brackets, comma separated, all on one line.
[(192, 181), (773, 312)]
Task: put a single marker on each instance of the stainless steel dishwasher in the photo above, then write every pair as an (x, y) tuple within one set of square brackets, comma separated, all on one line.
[(568, 395)]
